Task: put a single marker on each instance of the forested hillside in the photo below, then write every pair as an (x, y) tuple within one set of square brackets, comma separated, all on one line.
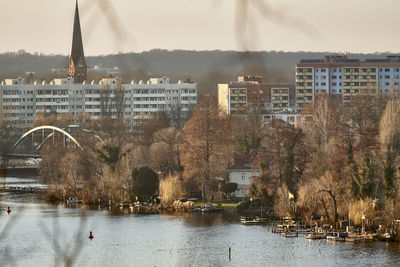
[(207, 68)]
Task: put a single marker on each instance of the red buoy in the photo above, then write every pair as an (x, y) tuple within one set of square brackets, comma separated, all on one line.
[(91, 235), (8, 210)]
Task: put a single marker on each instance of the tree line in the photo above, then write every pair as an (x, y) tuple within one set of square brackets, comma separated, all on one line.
[(341, 161)]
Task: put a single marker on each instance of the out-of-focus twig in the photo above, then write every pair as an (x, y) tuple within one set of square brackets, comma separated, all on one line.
[(247, 31), (5, 232), (107, 11), (66, 253)]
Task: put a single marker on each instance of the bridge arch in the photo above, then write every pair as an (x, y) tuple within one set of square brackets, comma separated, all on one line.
[(47, 127), (84, 130)]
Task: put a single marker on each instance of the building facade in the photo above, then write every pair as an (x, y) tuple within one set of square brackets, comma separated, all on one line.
[(251, 93), (242, 173), (20, 102), (343, 78)]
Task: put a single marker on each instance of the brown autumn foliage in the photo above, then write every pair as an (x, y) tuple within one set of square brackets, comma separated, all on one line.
[(345, 164), (204, 154), (165, 150), (332, 161)]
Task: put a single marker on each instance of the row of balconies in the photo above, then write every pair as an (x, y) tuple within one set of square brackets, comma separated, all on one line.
[(359, 80), (304, 93), (305, 87), (359, 72), (280, 94), (306, 98)]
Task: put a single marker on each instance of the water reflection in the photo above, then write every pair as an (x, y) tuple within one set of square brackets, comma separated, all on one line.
[(181, 239)]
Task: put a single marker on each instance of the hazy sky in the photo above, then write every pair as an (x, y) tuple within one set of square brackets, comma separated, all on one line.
[(309, 25)]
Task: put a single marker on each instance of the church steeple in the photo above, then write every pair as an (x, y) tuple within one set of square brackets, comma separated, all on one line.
[(77, 68)]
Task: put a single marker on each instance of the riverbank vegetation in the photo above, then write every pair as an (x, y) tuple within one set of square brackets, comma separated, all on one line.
[(340, 162)]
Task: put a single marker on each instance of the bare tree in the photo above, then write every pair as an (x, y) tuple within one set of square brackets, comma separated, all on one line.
[(283, 154), (324, 123), (321, 193), (8, 136), (165, 150), (206, 135)]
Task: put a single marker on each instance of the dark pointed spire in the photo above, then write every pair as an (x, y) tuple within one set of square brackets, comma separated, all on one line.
[(77, 64), (77, 44)]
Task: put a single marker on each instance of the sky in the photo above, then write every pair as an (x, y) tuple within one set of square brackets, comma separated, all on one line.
[(45, 26)]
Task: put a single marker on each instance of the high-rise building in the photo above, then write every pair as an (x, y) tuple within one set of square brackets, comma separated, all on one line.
[(21, 102), (343, 78), (77, 69), (251, 93)]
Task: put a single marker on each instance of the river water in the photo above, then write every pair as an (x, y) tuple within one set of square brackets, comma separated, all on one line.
[(40, 234)]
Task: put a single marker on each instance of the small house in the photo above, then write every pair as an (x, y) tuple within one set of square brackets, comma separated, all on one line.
[(241, 172)]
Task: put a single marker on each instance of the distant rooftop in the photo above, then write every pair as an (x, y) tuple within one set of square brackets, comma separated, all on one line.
[(243, 161), (248, 80), (345, 59)]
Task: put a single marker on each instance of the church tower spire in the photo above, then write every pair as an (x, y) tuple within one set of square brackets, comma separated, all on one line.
[(77, 68)]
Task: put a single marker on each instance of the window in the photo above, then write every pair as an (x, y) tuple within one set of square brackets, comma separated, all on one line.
[(243, 176), (323, 70), (323, 84)]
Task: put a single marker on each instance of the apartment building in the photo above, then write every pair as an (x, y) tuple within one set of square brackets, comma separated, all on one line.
[(250, 93), (343, 78), (20, 102)]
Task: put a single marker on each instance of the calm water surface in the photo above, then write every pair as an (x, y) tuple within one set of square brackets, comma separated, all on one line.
[(40, 231)]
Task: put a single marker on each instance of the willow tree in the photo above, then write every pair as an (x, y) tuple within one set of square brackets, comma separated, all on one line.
[(165, 150), (322, 193)]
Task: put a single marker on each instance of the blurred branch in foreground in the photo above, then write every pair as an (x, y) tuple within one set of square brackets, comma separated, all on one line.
[(66, 253)]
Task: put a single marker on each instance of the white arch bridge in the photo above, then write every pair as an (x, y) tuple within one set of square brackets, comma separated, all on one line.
[(48, 131)]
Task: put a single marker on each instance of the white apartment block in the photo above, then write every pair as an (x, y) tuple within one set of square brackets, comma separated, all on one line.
[(20, 102)]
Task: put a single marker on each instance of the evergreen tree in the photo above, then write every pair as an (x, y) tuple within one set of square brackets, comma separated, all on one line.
[(389, 175), (363, 180)]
